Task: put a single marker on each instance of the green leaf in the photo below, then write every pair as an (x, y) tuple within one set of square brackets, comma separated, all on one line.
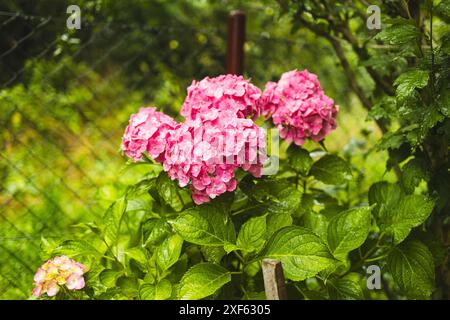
[(155, 231), (299, 159), (396, 213), (202, 280), (109, 277), (138, 254), (411, 211), (280, 196), (112, 294), (277, 221), (168, 253), (412, 173), (254, 295), (434, 244), (391, 140), (213, 254), (348, 230), (411, 265), (129, 286), (399, 34), (112, 220), (306, 205), (265, 189), (252, 234), (384, 194), (331, 169), (345, 288), (444, 8), (205, 225), (318, 223), (301, 252), (286, 201), (161, 291), (408, 82), (73, 248), (168, 191)]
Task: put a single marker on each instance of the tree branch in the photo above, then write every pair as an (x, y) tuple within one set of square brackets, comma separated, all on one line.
[(343, 60)]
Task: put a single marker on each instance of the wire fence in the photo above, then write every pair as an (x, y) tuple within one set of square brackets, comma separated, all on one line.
[(64, 106)]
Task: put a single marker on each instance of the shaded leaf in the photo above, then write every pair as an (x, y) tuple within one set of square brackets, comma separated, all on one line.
[(411, 265), (331, 169), (161, 291), (299, 159)]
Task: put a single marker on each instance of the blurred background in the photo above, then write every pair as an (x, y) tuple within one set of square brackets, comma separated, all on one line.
[(66, 97)]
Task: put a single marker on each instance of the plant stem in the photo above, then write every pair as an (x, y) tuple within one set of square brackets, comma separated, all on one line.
[(241, 258)]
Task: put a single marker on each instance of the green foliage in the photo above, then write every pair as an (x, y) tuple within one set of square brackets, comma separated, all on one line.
[(411, 265), (160, 291), (408, 82), (215, 249), (299, 160), (301, 252), (346, 288), (252, 234), (348, 230), (325, 215), (397, 214), (331, 170), (205, 225), (202, 280)]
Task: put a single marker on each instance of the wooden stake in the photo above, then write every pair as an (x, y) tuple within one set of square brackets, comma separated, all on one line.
[(274, 280), (236, 40)]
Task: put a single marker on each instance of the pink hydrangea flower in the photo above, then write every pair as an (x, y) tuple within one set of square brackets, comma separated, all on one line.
[(299, 107), (205, 153), (210, 96), (57, 272), (147, 132)]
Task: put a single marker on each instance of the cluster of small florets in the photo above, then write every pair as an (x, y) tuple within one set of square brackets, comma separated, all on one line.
[(147, 132), (211, 96), (206, 154), (219, 135), (299, 107), (57, 272)]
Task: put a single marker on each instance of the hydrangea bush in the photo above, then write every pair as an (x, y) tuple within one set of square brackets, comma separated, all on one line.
[(200, 222)]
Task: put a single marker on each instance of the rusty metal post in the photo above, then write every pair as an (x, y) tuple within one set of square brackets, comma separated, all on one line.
[(274, 283), (236, 40)]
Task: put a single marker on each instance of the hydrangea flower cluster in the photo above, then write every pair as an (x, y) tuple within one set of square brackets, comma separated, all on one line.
[(206, 153), (299, 107), (219, 135), (57, 272), (147, 132), (216, 138), (210, 96)]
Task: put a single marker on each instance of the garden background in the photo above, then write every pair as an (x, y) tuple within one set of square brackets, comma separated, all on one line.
[(66, 97)]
